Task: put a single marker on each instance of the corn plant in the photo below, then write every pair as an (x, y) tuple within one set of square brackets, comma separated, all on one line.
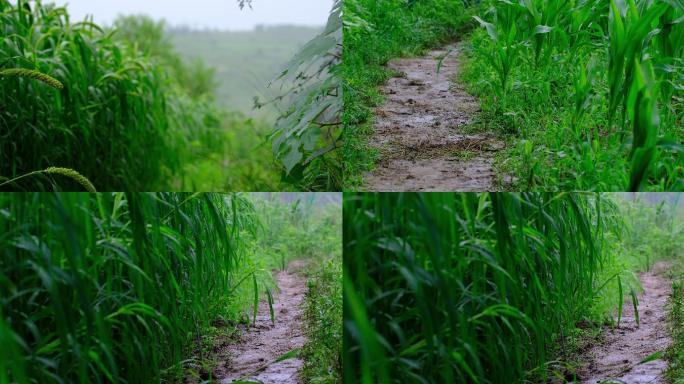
[(630, 31), (574, 72), (642, 111), (505, 45)]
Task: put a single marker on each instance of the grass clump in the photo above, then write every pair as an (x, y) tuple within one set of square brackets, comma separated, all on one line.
[(119, 287), (675, 353), (470, 287), (497, 287), (122, 108), (322, 353)]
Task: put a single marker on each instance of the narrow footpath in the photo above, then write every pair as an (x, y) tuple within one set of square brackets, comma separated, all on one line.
[(262, 343), (418, 130), (617, 359)]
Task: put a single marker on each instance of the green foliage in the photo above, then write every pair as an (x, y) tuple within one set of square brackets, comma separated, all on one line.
[(675, 353), (323, 313), (131, 115), (302, 228), (470, 287), (118, 287), (77, 126), (591, 88), (376, 31), (307, 134), (217, 150), (150, 38), (653, 232)]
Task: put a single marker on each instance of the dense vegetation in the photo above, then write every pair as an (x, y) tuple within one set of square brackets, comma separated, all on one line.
[(323, 311), (587, 93), (590, 89), (488, 288), (675, 371), (124, 110), (134, 287)]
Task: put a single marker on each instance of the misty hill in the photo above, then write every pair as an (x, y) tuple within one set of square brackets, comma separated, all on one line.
[(245, 62)]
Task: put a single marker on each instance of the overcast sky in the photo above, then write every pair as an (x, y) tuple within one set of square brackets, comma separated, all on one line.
[(222, 14)]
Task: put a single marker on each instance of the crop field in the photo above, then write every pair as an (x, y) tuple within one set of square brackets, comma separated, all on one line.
[(512, 288), (586, 95), (155, 287), (122, 109)]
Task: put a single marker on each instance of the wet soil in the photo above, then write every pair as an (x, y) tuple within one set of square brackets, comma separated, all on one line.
[(419, 131), (263, 342), (626, 346)]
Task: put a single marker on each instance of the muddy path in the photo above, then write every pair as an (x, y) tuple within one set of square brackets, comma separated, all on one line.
[(626, 346), (263, 342), (418, 130)]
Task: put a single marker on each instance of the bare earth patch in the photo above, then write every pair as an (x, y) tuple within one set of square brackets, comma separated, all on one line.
[(628, 345), (418, 131), (263, 342)]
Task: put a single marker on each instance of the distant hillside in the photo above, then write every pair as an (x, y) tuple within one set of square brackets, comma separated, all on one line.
[(245, 61)]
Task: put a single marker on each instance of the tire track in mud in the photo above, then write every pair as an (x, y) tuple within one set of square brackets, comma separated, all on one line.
[(418, 133), (626, 346), (263, 342)]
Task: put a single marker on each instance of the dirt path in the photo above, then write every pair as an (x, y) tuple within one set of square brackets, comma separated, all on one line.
[(264, 342), (417, 131), (626, 346)]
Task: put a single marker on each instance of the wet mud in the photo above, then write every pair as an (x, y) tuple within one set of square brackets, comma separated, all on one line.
[(418, 131), (617, 359), (263, 342)]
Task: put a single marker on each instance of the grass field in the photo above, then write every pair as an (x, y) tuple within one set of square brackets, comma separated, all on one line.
[(587, 94), (135, 288), (90, 102), (492, 288)]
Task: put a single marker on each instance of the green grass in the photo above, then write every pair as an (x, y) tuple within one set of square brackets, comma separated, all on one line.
[(675, 353), (588, 95), (587, 91), (323, 314), (323, 306), (118, 287), (140, 288), (473, 287), (120, 107), (493, 287)]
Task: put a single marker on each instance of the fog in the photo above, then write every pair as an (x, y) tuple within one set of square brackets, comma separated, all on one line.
[(215, 14)]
